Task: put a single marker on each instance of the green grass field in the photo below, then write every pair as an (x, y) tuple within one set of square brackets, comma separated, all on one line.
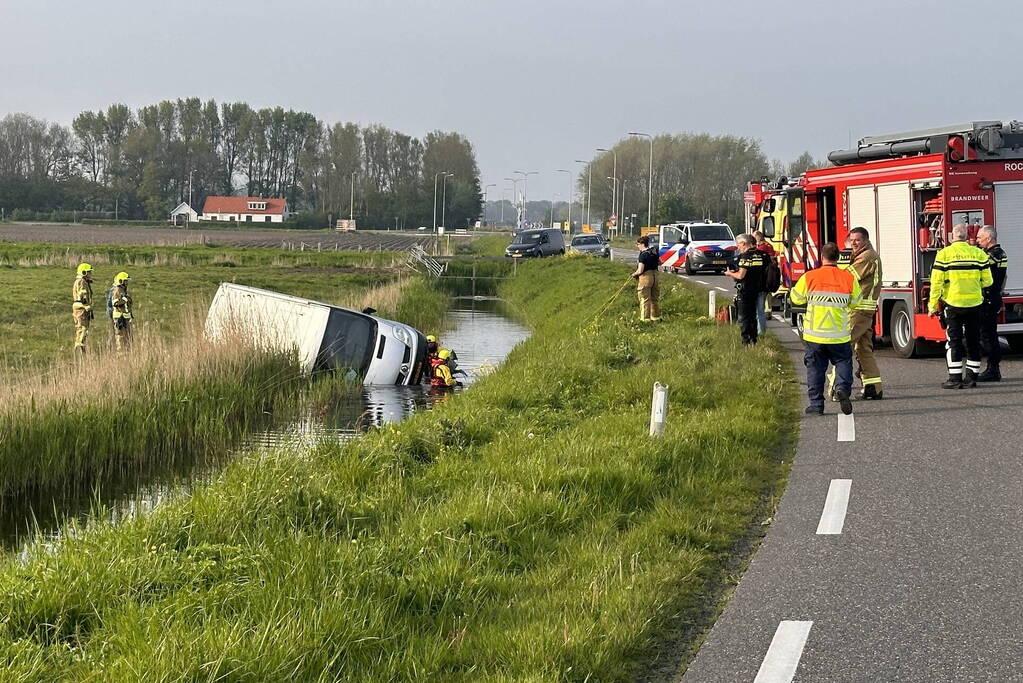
[(528, 529)]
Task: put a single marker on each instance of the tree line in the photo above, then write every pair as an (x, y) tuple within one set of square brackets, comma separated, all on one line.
[(139, 164), (695, 176)]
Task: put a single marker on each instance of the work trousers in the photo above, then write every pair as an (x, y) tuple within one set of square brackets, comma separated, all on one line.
[(817, 357), (646, 290), (761, 312), (122, 336), (81, 318), (862, 323), (962, 330), (989, 311), (746, 306)]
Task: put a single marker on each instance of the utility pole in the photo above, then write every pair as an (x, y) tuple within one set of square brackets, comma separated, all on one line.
[(589, 184), (444, 199), (351, 201), (650, 180), (435, 175), (486, 194), (189, 216), (614, 195), (571, 193), (525, 190)]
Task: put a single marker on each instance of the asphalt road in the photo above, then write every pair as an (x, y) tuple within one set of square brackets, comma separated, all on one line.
[(924, 582)]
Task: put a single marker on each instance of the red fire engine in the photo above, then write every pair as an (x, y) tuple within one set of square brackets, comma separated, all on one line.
[(907, 190)]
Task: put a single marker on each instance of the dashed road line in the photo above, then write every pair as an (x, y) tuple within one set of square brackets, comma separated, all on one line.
[(846, 427), (782, 660), (835, 506)]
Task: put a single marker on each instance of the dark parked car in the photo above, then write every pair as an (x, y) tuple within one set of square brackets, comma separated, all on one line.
[(592, 245), (536, 243)]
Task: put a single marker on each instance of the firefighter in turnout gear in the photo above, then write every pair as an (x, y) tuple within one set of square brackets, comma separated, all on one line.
[(960, 274), (998, 261), (441, 377), (121, 311), (829, 294), (866, 267), (81, 305)]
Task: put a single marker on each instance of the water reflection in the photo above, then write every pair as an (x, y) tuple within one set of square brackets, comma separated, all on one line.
[(480, 332)]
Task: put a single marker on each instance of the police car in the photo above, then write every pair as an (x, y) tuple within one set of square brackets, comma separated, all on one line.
[(696, 246)]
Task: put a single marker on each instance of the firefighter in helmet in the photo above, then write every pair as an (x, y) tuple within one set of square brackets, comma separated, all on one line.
[(441, 376), (121, 311), (81, 305)]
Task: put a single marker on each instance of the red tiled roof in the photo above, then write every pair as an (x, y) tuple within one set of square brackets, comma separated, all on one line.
[(241, 205)]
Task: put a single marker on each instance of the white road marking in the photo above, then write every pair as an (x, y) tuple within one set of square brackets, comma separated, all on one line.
[(779, 666), (846, 427), (835, 505), (701, 282), (721, 289)]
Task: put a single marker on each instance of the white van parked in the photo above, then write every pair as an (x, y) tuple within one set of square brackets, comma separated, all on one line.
[(325, 337)]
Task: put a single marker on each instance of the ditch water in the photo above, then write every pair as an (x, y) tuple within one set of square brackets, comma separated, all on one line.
[(480, 331)]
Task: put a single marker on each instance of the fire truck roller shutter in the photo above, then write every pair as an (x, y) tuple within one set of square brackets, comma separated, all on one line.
[(1009, 224), (862, 210), (895, 232)]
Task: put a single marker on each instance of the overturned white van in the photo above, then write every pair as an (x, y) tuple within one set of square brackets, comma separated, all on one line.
[(325, 337)]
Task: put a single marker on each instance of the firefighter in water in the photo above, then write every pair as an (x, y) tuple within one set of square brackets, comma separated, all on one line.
[(431, 346), (121, 311), (81, 305), (998, 261), (441, 376), (958, 278)]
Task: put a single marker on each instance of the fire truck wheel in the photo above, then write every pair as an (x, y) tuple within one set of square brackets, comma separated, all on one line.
[(1015, 342), (900, 327)]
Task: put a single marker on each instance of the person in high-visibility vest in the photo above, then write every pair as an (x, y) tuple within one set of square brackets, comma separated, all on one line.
[(961, 272), (121, 311), (829, 294), (866, 266)]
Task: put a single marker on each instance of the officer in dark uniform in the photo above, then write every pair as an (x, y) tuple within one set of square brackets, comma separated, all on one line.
[(987, 239), (749, 282)]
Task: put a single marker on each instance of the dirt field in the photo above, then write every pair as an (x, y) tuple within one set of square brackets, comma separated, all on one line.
[(132, 235)]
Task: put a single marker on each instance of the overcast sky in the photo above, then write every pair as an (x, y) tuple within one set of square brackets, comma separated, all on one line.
[(534, 84)]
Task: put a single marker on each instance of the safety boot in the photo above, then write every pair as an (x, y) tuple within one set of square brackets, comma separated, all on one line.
[(969, 378), (844, 403), (953, 382), (991, 374), (872, 393)]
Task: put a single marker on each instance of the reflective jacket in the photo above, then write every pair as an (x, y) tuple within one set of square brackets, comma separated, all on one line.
[(998, 261), (828, 293), (960, 274), (866, 265), (81, 293), (120, 302)]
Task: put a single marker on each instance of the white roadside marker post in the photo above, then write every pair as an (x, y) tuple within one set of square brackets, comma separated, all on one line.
[(712, 304), (658, 409)]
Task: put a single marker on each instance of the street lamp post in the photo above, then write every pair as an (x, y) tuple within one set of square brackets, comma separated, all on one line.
[(650, 180), (525, 189), (621, 204), (589, 184), (553, 201), (571, 194), (515, 195), (435, 176), (485, 195), (351, 202), (614, 196), (444, 198)]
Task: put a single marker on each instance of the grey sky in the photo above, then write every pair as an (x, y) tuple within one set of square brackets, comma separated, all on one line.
[(534, 84)]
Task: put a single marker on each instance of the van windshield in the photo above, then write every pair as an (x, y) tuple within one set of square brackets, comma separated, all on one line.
[(348, 343), (708, 233)]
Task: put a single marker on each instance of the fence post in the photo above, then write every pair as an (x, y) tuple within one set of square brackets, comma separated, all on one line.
[(474, 279), (712, 304), (658, 409)]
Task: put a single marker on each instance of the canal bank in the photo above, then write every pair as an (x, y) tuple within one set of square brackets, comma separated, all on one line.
[(526, 528)]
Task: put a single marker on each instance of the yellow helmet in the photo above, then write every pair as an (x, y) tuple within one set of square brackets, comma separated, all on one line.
[(83, 268), (444, 354), (431, 338), (121, 278)]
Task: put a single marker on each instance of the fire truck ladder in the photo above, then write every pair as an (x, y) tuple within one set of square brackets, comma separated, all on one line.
[(988, 136)]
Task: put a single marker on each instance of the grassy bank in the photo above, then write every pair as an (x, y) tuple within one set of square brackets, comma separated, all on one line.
[(528, 529)]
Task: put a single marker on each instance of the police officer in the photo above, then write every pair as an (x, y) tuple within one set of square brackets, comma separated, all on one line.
[(998, 261), (749, 283), (959, 275)]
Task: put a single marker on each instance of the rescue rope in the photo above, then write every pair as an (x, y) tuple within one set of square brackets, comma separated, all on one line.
[(607, 304)]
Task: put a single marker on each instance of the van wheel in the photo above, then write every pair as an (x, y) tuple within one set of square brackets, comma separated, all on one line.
[(900, 326), (562, 252), (689, 267)]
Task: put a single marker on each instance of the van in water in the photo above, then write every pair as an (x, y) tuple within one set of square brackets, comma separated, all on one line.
[(325, 337)]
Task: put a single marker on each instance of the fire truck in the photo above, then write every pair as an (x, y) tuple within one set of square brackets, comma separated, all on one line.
[(907, 190)]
